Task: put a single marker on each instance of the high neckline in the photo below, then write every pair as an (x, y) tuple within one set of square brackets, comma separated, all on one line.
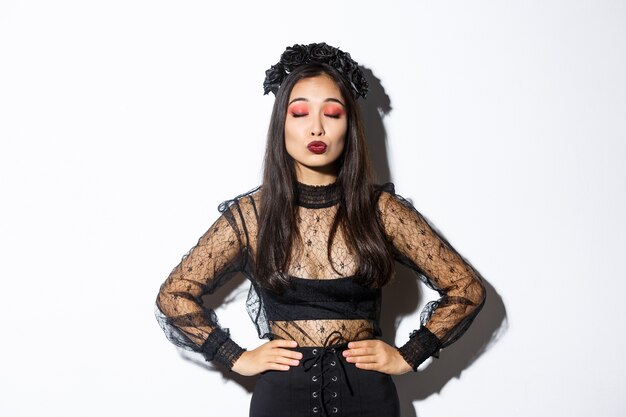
[(317, 196)]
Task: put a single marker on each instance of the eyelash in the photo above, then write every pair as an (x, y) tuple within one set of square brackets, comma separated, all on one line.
[(333, 116)]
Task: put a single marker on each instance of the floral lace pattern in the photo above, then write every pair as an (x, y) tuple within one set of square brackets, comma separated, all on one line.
[(229, 244)]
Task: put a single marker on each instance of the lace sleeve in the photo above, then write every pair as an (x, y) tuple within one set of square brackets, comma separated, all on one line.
[(187, 323), (416, 245)]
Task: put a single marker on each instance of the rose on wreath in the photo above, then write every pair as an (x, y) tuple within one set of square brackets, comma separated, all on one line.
[(323, 53)]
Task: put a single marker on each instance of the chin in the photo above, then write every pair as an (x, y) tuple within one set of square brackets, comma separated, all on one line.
[(318, 165)]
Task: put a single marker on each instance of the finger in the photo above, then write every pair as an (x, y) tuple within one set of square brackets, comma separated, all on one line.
[(283, 360), (278, 367), (293, 354), (283, 343), (368, 366), (361, 351), (363, 359), (361, 344)]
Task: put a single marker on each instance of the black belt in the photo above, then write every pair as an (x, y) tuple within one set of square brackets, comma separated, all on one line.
[(319, 355)]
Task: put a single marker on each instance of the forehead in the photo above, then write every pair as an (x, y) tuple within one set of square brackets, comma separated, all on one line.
[(317, 88)]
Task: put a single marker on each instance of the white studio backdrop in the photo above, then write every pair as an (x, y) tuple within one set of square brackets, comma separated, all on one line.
[(123, 124)]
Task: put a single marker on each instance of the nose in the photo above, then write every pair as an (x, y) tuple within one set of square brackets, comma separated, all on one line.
[(317, 129)]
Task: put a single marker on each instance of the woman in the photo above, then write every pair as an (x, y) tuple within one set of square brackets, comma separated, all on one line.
[(317, 241)]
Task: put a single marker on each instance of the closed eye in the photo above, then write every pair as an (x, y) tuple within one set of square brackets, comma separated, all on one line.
[(299, 110), (333, 111)]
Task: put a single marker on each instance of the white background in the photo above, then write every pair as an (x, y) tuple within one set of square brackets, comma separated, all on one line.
[(123, 124)]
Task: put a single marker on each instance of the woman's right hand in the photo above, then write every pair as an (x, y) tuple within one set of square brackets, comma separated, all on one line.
[(271, 355)]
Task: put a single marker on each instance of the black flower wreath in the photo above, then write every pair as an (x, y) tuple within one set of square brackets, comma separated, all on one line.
[(297, 55)]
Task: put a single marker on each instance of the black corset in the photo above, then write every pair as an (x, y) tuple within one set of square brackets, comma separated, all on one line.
[(310, 299)]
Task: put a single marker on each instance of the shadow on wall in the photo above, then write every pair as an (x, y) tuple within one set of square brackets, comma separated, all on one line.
[(401, 297)]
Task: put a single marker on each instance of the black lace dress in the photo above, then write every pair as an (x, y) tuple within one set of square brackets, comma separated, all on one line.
[(323, 309)]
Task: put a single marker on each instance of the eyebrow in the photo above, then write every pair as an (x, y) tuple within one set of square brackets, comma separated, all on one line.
[(325, 101)]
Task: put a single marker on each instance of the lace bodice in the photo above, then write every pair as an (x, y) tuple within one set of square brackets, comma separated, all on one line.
[(324, 298)]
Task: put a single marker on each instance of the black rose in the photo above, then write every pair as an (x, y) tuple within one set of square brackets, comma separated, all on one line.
[(273, 78), (359, 82), (338, 61), (321, 52), (294, 56), (297, 55), (344, 64)]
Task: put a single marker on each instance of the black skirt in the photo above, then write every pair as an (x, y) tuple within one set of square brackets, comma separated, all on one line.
[(324, 384)]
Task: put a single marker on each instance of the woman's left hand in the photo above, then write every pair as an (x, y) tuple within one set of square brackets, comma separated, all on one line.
[(376, 355)]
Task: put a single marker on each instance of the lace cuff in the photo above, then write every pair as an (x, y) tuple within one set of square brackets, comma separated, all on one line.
[(219, 347), (421, 345), (228, 354)]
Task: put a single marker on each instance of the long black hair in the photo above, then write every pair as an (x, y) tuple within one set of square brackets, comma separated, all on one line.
[(356, 214)]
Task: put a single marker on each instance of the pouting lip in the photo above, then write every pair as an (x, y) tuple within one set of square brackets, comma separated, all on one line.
[(317, 147), (316, 143)]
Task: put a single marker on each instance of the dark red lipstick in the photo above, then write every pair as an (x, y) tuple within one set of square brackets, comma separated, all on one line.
[(316, 147)]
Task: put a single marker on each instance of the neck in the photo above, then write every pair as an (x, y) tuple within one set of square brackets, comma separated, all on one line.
[(319, 176)]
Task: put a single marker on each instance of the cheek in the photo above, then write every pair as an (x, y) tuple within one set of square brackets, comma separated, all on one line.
[(341, 145), (290, 133), (291, 141), (342, 134)]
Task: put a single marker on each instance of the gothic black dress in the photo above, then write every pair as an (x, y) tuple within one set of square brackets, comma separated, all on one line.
[(323, 311)]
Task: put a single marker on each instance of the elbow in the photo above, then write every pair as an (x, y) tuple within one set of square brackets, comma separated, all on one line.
[(161, 294), (165, 300), (474, 292), (159, 307), (480, 295)]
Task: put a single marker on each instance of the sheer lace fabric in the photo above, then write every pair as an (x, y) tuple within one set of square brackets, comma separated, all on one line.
[(324, 299)]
